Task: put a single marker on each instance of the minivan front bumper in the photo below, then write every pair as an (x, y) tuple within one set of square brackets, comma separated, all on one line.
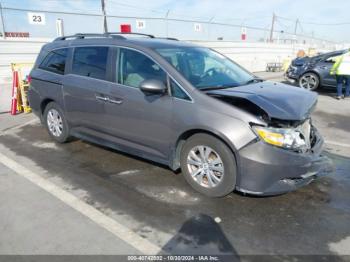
[(269, 170)]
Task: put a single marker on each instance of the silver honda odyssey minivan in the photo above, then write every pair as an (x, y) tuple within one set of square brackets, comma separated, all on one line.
[(181, 105)]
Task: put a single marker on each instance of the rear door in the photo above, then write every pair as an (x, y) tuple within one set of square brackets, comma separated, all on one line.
[(87, 85), (47, 78)]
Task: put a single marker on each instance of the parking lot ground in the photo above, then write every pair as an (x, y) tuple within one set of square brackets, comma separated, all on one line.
[(35, 222), (157, 204), (5, 97)]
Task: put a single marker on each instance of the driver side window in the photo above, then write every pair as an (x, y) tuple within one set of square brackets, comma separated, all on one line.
[(134, 68), (211, 63)]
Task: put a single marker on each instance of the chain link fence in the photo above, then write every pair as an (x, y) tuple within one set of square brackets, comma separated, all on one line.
[(16, 20)]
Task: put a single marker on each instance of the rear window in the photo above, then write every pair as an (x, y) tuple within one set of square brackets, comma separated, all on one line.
[(90, 61), (55, 61)]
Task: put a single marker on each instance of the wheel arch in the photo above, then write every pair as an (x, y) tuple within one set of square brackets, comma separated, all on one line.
[(44, 103), (175, 160)]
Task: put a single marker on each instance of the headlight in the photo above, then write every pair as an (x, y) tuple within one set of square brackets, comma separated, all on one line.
[(282, 137), (293, 68)]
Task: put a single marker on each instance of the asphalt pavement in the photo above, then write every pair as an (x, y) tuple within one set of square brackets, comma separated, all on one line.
[(81, 198)]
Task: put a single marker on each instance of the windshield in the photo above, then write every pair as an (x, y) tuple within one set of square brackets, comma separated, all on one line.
[(205, 68)]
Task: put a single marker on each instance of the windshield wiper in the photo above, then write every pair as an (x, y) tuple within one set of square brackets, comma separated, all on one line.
[(253, 80), (217, 87)]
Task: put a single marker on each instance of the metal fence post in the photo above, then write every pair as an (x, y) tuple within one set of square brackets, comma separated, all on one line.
[(2, 23), (167, 23)]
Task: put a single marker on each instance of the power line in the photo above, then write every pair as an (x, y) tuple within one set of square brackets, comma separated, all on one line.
[(315, 23), (282, 25), (325, 24), (159, 11), (135, 7), (50, 11), (10, 6)]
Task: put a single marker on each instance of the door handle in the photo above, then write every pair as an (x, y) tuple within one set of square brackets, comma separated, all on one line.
[(101, 98), (115, 101)]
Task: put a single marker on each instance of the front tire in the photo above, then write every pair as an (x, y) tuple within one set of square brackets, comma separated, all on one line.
[(309, 81), (208, 165), (56, 123)]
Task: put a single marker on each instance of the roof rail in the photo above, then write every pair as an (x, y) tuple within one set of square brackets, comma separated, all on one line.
[(82, 36), (122, 33), (168, 38), (117, 35)]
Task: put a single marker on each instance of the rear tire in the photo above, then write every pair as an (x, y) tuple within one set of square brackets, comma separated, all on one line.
[(56, 123), (309, 81), (208, 165)]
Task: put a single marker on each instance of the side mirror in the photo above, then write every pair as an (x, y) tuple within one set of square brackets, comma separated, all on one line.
[(153, 87)]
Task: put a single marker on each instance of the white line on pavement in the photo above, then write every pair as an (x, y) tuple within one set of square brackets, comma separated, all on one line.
[(122, 232), (330, 142), (341, 247), (19, 126)]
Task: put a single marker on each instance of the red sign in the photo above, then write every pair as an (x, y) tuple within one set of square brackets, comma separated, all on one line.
[(125, 28), (16, 34), (243, 33)]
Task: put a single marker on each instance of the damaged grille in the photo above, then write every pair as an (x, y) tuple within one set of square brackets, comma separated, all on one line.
[(308, 133), (305, 130)]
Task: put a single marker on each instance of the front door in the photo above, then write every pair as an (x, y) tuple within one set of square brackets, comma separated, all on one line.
[(325, 71), (143, 122)]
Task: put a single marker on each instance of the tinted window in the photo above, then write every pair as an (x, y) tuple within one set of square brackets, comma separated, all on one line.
[(177, 92), (90, 61), (55, 61), (135, 67)]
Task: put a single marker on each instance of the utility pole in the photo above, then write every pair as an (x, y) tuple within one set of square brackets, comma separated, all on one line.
[(209, 26), (296, 26), (2, 23), (105, 28), (167, 22), (59, 27), (272, 27), (295, 40)]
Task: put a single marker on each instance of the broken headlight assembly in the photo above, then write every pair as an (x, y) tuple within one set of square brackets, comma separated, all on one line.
[(289, 138)]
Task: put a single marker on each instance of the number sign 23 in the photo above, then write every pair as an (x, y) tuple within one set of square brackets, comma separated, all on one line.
[(36, 18)]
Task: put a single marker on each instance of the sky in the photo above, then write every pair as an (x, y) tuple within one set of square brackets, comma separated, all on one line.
[(321, 18)]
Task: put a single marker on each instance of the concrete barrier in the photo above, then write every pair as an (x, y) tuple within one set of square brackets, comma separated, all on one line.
[(17, 50)]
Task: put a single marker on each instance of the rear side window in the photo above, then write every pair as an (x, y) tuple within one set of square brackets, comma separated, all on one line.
[(55, 61), (90, 61)]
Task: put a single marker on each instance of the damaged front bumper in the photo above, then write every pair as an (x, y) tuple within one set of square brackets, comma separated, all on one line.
[(268, 170)]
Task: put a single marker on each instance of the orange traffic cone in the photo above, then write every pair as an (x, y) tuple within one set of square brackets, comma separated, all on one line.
[(14, 93)]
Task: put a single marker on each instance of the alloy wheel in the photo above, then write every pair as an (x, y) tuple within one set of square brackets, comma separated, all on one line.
[(54, 122), (205, 166), (309, 82)]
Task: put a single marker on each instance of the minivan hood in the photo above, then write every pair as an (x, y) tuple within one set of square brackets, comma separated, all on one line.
[(279, 101)]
